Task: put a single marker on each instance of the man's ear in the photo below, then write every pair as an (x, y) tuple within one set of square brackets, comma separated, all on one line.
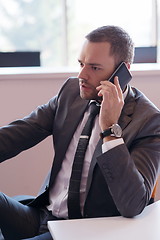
[(128, 65)]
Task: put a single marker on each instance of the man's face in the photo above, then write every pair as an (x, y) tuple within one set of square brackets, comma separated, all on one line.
[(96, 64)]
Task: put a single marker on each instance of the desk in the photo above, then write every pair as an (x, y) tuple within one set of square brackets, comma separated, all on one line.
[(145, 226)]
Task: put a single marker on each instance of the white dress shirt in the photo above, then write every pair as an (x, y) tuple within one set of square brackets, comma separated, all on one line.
[(59, 193)]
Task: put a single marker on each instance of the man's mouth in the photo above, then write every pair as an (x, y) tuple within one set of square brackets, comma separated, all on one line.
[(83, 84), (85, 88)]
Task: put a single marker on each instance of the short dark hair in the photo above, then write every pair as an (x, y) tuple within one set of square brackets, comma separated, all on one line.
[(122, 47)]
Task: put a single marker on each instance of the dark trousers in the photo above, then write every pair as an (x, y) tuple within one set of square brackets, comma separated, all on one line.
[(18, 221)]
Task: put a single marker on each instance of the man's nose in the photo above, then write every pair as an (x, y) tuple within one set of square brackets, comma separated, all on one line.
[(83, 74)]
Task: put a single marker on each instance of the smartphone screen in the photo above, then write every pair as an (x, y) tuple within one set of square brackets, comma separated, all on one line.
[(123, 74)]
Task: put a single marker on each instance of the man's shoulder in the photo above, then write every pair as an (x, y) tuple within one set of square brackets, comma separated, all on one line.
[(69, 92), (142, 101), (72, 82)]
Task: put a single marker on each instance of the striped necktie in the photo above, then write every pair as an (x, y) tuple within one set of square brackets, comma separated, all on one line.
[(74, 210)]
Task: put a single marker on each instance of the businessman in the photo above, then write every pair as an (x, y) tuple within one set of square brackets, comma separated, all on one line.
[(105, 166)]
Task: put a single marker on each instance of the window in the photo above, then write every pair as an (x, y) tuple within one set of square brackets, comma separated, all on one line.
[(57, 28)]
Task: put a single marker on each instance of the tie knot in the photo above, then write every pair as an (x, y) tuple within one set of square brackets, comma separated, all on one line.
[(94, 109)]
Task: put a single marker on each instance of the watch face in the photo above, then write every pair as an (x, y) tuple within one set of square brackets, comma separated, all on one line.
[(117, 131)]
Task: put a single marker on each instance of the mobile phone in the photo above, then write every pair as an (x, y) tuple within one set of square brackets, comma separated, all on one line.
[(123, 74)]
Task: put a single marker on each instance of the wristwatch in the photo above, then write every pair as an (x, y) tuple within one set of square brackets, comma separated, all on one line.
[(114, 131)]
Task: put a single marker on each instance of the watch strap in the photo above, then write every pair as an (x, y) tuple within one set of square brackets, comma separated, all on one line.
[(106, 133)]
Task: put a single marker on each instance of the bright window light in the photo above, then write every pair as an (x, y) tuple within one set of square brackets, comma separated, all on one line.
[(57, 28)]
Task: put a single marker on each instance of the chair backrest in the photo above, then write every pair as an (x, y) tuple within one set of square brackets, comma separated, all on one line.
[(145, 54), (19, 59), (152, 199), (154, 190)]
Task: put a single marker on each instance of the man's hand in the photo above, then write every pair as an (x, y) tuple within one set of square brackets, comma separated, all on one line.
[(112, 103)]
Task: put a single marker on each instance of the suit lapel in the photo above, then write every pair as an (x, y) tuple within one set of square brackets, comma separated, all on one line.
[(124, 120), (75, 113), (97, 152), (74, 116), (128, 109)]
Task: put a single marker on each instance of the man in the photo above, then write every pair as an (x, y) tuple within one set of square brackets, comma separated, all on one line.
[(119, 170)]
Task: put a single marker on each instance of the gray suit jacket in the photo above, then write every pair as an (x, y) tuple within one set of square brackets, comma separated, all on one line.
[(120, 181)]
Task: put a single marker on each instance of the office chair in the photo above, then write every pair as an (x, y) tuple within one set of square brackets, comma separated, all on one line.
[(153, 194)]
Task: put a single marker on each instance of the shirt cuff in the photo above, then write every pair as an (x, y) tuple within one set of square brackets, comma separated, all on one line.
[(111, 144)]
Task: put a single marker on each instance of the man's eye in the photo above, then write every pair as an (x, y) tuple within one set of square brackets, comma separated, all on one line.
[(81, 64), (95, 68)]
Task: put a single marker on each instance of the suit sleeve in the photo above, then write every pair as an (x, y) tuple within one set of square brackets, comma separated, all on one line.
[(27, 132), (131, 172)]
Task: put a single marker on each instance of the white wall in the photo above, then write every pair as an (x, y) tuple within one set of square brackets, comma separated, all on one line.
[(20, 93)]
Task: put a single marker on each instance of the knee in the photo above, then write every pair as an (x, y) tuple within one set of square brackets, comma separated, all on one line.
[(3, 203), (3, 207), (2, 197)]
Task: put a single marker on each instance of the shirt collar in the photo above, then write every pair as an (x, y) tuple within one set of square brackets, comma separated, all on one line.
[(125, 92)]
